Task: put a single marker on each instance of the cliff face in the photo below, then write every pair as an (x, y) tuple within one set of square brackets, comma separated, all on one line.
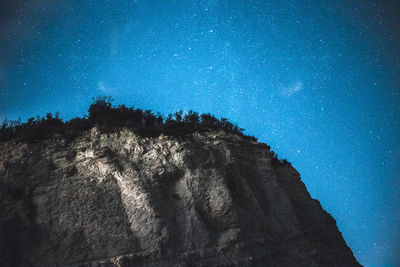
[(118, 199)]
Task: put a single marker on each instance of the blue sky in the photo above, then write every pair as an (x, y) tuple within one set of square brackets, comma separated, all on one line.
[(316, 80)]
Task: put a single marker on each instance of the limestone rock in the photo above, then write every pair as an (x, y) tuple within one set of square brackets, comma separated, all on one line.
[(119, 199)]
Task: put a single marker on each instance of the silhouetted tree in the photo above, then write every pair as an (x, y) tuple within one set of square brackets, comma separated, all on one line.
[(5, 130), (149, 118), (99, 108), (192, 117), (159, 119), (208, 120), (178, 116)]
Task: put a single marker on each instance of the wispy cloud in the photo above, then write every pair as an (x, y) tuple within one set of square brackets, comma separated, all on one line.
[(102, 87), (288, 91)]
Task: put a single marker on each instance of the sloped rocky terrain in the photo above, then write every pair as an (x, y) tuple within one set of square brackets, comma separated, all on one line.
[(120, 199)]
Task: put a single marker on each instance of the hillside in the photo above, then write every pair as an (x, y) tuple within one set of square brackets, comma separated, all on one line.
[(118, 196)]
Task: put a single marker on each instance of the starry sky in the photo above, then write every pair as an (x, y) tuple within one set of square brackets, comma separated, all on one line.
[(319, 81)]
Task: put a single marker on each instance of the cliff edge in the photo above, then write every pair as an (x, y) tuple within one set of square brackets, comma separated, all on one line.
[(211, 198)]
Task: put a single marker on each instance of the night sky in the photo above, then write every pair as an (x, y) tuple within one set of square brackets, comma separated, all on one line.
[(318, 81)]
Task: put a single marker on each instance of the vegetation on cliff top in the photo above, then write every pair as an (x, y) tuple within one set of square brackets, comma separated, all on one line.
[(103, 114), (107, 117)]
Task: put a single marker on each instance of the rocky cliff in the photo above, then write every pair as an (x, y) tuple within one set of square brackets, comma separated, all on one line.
[(118, 199)]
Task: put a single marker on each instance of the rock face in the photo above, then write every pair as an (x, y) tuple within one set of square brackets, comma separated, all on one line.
[(119, 199)]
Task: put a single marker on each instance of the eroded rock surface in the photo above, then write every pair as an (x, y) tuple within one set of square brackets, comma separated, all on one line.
[(118, 199)]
